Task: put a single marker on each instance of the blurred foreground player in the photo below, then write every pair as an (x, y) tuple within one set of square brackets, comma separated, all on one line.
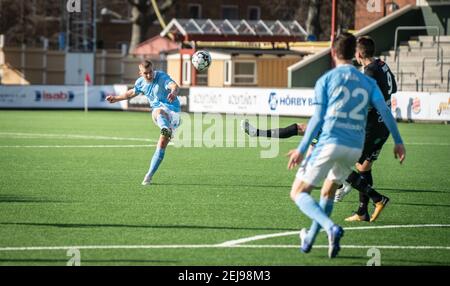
[(342, 98)]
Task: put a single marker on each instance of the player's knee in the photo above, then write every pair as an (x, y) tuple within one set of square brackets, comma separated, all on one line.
[(296, 189), (328, 193), (159, 112), (365, 166), (163, 113)]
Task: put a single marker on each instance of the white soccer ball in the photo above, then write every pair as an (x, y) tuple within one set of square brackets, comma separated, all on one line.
[(201, 60)]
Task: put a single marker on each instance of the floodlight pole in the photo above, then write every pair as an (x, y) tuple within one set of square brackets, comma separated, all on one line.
[(333, 21), (333, 27)]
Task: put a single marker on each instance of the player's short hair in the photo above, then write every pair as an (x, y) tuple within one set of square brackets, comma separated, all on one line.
[(146, 64), (344, 46), (366, 46)]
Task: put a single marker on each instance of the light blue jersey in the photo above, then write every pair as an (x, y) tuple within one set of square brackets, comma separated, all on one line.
[(342, 98), (157, 91)]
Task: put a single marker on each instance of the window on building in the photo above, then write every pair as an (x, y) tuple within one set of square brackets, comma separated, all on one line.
[(186, 72), (195, 11), (230, 12), (244, 72), (227, 73), (202, 78), (254, 13)]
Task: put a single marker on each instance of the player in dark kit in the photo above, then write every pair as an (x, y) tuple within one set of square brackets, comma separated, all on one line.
[(376, 135)]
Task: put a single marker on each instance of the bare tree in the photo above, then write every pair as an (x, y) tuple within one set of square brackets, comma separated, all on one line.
[(29, 22), (142, 16), (313, 20), (306, 12), (315, 15), (17, 22)]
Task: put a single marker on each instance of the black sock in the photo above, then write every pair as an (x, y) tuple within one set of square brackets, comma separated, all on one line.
[(368, 176), (363, 203), (373, 195), (361, 183), (291, 130), (263, 133), (286, 132)]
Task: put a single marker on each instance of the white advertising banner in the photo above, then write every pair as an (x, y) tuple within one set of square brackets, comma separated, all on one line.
[(298, 102), (421, 106), (54, 96), (271, 101)]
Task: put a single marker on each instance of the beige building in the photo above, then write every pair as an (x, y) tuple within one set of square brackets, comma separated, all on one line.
[(235, 67)]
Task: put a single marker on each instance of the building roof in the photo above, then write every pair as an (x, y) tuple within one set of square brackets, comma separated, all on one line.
[(235, 30), (154, 46), (258, 51)]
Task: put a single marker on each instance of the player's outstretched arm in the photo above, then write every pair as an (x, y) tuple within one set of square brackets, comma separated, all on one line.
[(174, 89), (379, 103), (399, 152), (295, 158), (129, 94)]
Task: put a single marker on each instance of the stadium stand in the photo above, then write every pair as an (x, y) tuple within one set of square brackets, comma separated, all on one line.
[(421, 64)]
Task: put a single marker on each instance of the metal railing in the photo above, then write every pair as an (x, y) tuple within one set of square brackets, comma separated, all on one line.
[(408, 73), (439, 63), (423, 69), (448, 80), (412, 28)]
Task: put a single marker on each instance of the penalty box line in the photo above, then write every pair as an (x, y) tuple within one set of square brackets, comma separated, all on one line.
[(216, 246)]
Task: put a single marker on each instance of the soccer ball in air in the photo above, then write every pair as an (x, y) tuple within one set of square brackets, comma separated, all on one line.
[(201, 60)]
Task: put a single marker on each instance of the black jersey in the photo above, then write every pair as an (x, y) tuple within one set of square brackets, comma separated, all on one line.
[(379, 71)]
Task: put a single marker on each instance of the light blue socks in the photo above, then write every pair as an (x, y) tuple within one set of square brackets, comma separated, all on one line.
[(158, 156), (327, 207), (309, 207)]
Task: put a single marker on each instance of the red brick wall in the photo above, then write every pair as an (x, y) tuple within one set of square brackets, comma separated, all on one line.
[(363, 17)]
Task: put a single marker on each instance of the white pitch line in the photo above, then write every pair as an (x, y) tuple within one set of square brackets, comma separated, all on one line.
[(425, 247), (76, 146), (22, 135), (271, 235), (390, 143), (193, 246), (236, 243), (74, 136), (108, 247)]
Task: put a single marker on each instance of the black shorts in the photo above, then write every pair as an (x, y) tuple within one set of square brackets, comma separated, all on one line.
[(375, 139)]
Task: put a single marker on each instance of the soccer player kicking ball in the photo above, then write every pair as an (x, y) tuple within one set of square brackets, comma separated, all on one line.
[(161, 92), (342, 97)]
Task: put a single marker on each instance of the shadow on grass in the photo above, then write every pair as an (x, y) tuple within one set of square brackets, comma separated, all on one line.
[(24, 199), (80, 225), (224, 185), (411, 191), (412, 262), (64, 261), (421, 205)]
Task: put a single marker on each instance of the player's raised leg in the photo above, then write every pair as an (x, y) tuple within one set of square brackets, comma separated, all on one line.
[(284, 132), (162, 120)]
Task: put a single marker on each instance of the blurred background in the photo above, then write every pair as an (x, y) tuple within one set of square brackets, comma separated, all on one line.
[(253, 43)]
